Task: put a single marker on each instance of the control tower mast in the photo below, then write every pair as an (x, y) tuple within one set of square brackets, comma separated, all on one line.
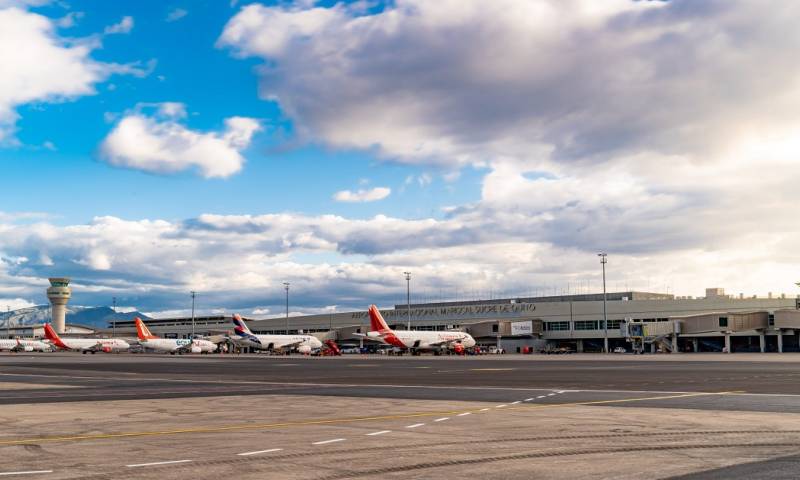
[(59, 294)]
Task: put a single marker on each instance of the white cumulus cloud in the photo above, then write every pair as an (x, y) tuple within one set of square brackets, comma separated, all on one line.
[(176, 14), (370, 195), (38, 65), (159, 143), (124, 26)]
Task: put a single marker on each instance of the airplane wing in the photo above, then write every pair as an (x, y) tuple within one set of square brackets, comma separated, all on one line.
[(445, 343), (97, 347), (289, 345), (187, 348)]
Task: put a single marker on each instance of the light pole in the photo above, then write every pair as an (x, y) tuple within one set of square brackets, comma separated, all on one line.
[(286, 287), (603, 261), (8, 320), (114, 321), (408, 297), (194, 294)]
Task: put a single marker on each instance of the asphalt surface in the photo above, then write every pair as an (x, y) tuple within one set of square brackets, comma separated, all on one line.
[(68, 415), (740, 385)]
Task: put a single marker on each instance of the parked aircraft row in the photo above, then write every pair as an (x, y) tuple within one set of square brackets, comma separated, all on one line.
[(19, 345), (406, 340)]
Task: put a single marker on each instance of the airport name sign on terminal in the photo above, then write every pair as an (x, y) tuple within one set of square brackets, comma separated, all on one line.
[(462, 310)]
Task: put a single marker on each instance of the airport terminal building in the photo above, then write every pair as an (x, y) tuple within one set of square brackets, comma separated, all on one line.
[(641, 320)]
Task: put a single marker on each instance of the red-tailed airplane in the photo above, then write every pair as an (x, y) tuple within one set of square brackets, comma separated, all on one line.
[(414, 340), (85, 345)]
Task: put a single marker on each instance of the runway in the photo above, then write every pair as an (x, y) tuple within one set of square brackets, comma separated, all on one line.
[(137, 416)]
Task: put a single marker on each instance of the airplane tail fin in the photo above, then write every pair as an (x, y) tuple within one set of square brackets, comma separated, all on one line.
[(142, 331), (376, 321), (51, 335), (240, 327)]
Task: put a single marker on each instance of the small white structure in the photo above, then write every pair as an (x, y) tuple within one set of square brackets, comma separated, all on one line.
[(59, 294)]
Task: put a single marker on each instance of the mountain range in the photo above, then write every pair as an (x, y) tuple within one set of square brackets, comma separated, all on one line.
[(89, 316)]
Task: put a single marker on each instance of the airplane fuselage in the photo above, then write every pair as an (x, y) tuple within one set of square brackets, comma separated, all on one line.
[(423, 340), (278, 342), (173, 345), (101, 344), (24, 345)]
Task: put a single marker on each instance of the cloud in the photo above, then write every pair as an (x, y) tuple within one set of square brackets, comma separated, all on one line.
[(176, 14), (14, 304), (49, 69), (662, 132), (159, 143), (649, 129), (371, 195), (70, 20), (584, 80), (238, 262), (124, 26)]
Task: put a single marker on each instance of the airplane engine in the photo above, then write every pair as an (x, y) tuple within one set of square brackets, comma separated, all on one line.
[(196, 349), (107, 349), (304, 349), (27, 348)]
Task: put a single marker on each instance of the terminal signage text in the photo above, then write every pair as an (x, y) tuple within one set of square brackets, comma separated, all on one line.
[(455, 311)]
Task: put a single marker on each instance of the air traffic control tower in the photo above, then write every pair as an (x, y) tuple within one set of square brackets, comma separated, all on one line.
[(59, 293)]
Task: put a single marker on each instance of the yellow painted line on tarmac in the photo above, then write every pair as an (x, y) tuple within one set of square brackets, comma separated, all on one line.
[(335, 421), (619, 400)]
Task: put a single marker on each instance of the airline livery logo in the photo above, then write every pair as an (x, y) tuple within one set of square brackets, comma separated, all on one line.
[(51, 335), (241, 329), (142, 331)]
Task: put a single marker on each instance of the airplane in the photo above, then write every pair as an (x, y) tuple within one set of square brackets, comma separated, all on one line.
[(244, 337), (18, 345), (85, 345), (415, 340), (171, 345)]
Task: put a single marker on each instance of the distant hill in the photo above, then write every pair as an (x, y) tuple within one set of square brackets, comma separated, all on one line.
[(90, 316)]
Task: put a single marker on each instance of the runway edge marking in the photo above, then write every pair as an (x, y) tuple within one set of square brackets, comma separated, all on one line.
[(242, 427)]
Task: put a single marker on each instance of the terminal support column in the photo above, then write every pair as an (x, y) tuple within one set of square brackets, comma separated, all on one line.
[(762, 342), (728, 343), (780, 341), (696, 345)]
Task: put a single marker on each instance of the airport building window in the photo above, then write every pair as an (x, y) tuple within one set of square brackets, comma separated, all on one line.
[(615, 324), (495, 328), (587, 325), (723, 321), (771, 320), (556, 326)]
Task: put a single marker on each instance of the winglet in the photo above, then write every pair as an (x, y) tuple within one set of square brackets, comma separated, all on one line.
[(376, 321), (142, 331), (51, 335)]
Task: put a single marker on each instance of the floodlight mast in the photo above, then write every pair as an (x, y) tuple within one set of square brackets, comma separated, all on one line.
[(603, 261)]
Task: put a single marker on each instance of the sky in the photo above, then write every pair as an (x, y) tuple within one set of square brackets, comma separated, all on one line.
[(150, 149)]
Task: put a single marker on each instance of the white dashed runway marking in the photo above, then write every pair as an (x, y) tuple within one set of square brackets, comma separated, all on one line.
[(152, 464), (29, 472), (259, 451), (325, 442)]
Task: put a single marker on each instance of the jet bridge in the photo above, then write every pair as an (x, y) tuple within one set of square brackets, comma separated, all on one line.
[(661, 336)]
